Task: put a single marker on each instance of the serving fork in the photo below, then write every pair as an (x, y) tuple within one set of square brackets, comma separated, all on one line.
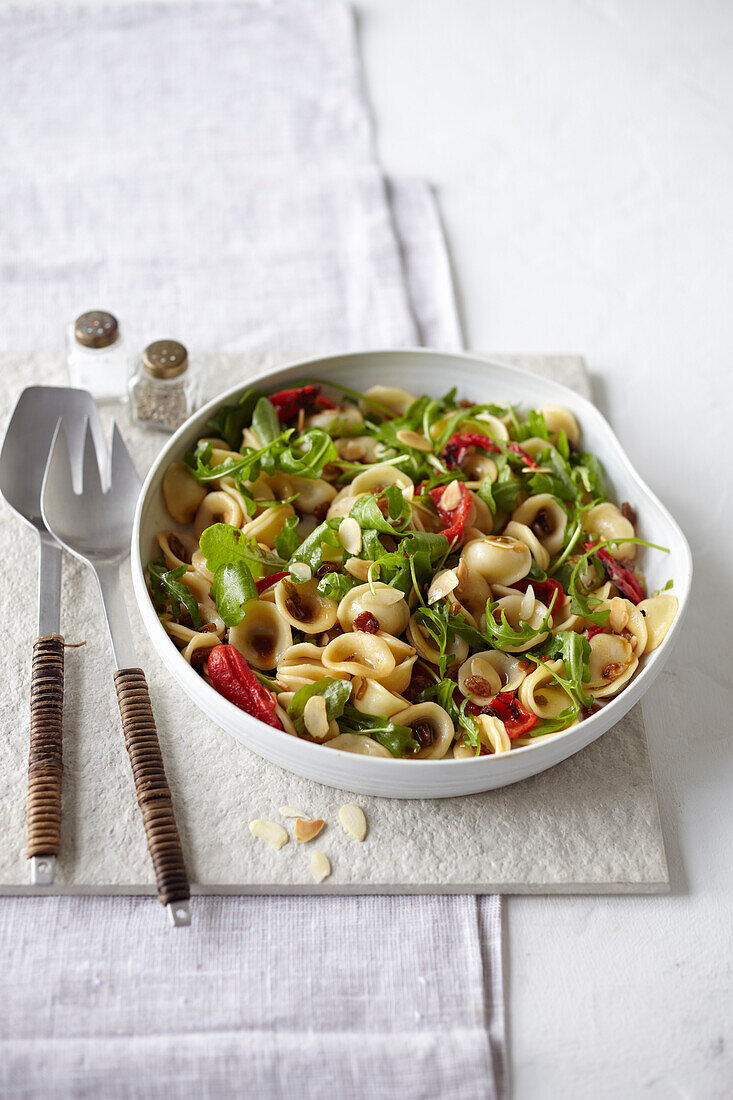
[(22, 465), (95, 525)]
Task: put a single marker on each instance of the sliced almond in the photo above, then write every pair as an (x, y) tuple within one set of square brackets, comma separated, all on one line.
[(301, 571), (290, 811), (619, 616), (451, 498), (353, 820), (359, 568), (387, 596), (315, 716), (413, 439), (319, 865), (526, 607), (307, 830), (269, 831), (442, 584), (350, 535)]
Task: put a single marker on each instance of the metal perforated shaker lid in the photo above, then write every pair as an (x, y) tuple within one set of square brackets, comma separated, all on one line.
[(96, 329), (165, 359)]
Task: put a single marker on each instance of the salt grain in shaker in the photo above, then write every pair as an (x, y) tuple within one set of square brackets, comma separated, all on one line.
[(162, 390), (97, 357)]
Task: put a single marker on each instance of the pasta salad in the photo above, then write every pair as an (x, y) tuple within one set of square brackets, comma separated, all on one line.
[(400, 576)]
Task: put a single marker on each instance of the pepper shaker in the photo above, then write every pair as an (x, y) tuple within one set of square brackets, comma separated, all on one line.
[(163, 391), (97, 356)]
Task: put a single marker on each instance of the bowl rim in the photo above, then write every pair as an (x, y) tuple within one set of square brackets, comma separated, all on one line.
[(620, 704)]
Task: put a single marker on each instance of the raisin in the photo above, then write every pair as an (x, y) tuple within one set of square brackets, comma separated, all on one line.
[(628, 513), (367, 623), (178, 548), (423, 734), (541, 523), (478, 686)]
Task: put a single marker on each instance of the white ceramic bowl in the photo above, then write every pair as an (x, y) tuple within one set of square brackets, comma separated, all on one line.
[(434, 373)]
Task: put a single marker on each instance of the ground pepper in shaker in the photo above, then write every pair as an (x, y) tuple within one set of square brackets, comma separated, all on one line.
[(97, 357), (162, 390)]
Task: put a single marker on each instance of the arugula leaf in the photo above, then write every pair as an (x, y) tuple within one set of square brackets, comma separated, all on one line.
[(415, 562), (312, 549), (503, 634), (335, 692), (372, 548), (222, 544), (560, 482), (367, 513), (506, 488), (166, 585), (398, 739), (582, 600), (335, 585), (311, 451), (265, 423), (268, 682), (533, 427), (554, 725), (485, 492), (229, 421), (563, 445), (232, 588), (574, 650), (287, 540), (244, 468), (588, 472), (436, 622)]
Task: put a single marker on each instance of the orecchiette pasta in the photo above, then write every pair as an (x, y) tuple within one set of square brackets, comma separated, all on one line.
[(383, 577), (499, 560), (546, 517), (607, 522)]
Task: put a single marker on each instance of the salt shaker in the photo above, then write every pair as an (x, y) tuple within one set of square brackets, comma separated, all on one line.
[(163, 391), (97, 356)]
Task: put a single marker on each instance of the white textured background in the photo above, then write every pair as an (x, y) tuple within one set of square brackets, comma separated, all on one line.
[(581, 151), (582, 155)]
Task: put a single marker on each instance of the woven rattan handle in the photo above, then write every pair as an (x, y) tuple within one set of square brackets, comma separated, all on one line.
[(44, 760), (151, 785)]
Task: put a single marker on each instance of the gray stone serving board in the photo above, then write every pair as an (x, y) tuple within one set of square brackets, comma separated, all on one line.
[(589, 825)]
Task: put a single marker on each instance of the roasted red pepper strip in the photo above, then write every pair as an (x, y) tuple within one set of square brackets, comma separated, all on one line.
[(454, 518), (593, 630), (234, 679), (267, 582), (543, 589), (517, 720), (455, 449), (288, 403), (627, 582)]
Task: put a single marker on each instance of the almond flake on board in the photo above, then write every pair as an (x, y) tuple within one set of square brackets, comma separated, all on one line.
[(269, 831), (307, 830), (353, 820), (290, 811), (319, 865)]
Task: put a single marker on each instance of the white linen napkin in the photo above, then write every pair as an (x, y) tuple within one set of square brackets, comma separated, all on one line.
[(207, 172)]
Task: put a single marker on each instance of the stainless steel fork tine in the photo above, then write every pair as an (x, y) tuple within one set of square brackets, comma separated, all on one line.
[(91, 476), (123, 475), (58, 467)]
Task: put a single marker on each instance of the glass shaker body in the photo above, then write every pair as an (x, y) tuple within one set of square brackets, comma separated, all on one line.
[(97, 357), (163, 391)]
